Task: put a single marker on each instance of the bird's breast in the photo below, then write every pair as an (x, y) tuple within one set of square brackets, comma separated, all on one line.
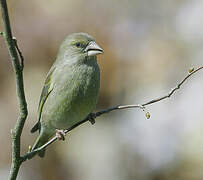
[(74, 95)]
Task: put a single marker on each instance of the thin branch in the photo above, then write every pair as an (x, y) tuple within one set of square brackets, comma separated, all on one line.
[(93, 116), (191, 72), (17, 130), (19, 52)]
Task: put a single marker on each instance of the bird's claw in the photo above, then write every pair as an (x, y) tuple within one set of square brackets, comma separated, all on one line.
[(60, 134), (91, 118)]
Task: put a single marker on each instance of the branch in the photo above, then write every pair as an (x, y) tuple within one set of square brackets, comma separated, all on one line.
[(18, 69), (93, 116), (19, 53)]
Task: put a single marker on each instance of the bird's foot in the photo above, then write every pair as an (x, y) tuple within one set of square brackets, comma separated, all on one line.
[(92, 117), (60, 134)]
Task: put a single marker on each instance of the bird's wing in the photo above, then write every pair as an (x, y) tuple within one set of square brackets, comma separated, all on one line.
[(48, 87)]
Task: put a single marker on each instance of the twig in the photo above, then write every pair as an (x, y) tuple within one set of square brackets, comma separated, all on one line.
[(17, 130), (191, 72), (19, 52), (93, 116)]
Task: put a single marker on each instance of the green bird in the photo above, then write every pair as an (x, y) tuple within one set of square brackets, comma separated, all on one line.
[(71, 88)]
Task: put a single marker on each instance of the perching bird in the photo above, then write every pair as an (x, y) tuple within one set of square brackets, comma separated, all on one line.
[(71, 88)]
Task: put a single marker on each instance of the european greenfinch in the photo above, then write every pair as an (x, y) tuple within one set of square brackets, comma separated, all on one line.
[(71, 88)]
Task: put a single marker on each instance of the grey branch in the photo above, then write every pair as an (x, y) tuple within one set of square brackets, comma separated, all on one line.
[(17, 130), (93, 116), (19, 53)]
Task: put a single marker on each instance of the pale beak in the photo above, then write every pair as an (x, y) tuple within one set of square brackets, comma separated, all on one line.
[(93, 49)]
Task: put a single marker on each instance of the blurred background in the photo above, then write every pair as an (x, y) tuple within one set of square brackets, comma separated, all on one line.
[(149, 46)]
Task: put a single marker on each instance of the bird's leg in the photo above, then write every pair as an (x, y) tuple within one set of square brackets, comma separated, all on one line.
[(60, 134), (91, 118)]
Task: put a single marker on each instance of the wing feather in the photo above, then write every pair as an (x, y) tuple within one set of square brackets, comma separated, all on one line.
[(48, 87)]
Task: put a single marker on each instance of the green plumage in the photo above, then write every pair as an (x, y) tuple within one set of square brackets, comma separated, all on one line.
[(71, 88)]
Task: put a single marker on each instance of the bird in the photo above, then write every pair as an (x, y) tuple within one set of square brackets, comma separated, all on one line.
[(71, 88)]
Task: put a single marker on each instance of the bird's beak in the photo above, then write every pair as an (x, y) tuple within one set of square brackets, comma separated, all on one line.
[(93, 49)]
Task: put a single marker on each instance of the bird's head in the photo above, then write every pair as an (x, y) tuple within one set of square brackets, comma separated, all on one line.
[(80, 45)]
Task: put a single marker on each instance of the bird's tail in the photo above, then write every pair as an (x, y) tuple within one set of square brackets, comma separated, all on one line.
[(41, 140)]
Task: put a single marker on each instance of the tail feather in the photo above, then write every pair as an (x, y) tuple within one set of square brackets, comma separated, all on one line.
[(42, 153), (35, 127), (41, 140)]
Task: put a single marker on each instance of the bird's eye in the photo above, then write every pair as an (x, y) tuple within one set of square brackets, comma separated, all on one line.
[(77, 44)]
